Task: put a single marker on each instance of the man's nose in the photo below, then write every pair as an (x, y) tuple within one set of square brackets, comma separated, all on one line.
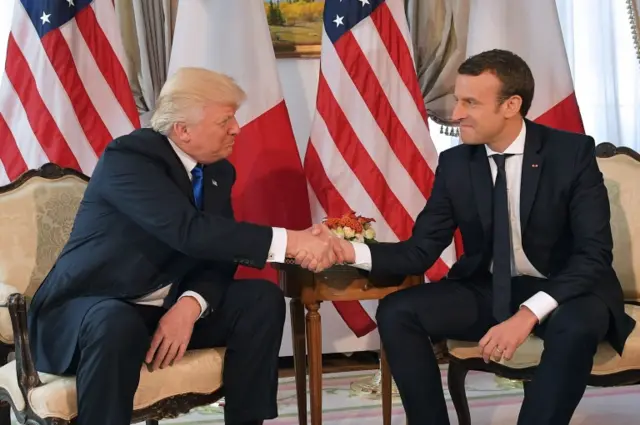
[(458, 113), (234, 128)]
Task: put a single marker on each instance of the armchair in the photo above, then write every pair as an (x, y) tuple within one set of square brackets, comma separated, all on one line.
[(37, 212), (621, 170)]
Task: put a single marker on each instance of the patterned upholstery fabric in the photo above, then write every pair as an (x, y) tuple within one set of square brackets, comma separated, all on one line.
[(35, 222)]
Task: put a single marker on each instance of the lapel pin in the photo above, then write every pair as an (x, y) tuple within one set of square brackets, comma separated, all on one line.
[(534, 165), (215, 183)]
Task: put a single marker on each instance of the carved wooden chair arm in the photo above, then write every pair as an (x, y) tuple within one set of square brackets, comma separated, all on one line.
[(28, 378)]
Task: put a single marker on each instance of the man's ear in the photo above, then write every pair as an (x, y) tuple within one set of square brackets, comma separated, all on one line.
[(511, 106), (181, 131)]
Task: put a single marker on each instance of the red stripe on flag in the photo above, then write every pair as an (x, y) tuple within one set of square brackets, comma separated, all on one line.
[(107, 62), (10, 155), (42, 123), (359, 160), (352, 312), (564, 115), (399, 51), (372, 93), (331, 200), (270, 187), (59, 54)]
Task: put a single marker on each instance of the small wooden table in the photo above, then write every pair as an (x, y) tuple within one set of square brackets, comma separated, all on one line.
[(338, 283)]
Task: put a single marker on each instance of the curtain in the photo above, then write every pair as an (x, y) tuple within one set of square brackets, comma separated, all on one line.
[(147, 34), (605, 68)]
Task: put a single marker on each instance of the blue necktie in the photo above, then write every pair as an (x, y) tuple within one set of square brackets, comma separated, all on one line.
[(197, 185), (501, 244)]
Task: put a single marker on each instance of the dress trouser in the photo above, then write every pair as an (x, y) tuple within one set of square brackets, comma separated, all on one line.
[(410, 320), (115, 336)]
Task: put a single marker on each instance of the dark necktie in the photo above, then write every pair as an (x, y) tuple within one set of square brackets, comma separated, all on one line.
[(501, 244), (196, 181)]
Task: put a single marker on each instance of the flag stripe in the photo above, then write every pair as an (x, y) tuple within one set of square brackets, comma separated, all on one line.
[(51, 85), (361, 163), (4, 178), (107, 62), (351, 312), (57, 104), (106, 17), (404, 94), (91, 128), (19, 128), (359, 110), (385, 18), (95, 83), (397, 139), (10, 155), (44, 127), (324, 191), (348, 189)]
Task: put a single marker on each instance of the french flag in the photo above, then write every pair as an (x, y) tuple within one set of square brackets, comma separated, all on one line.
[(232, 37), (530, 29)]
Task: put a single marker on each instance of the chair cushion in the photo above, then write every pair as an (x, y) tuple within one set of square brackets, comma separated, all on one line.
[(199, 371), (606, 360), (621, 176)]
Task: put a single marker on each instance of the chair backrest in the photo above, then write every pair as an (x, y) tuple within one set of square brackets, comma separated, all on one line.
[(37, 212), (621, 169)]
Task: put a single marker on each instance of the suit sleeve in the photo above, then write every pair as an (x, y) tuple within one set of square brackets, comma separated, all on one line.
[(589, 216), (139, 188), (432, 233)]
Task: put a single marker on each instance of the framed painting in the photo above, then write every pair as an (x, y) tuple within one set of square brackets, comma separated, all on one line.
[(295, 26)]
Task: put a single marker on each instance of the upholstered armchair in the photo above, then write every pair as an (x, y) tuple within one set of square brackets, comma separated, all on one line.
[(37, 212), (621, 170)]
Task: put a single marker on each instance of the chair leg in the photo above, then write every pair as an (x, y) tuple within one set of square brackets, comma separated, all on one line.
[(386, 388), (298, 334), (455, 381), (5, 413)]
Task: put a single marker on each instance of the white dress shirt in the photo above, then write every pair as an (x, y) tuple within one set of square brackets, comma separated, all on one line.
[(541, 304), (276, 251)]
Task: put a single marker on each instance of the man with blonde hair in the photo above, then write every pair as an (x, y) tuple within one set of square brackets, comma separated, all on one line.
[(148, 271)]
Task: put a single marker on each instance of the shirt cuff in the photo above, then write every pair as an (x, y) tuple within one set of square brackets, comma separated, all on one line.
[(541, 304), (363, 256), (198, 297), (278, 248)]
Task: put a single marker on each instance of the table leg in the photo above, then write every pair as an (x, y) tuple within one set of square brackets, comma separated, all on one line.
[(385, 387), (299, 357), (314, 348)]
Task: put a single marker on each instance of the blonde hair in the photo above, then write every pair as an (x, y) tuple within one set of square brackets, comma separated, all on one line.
[(187, 91)]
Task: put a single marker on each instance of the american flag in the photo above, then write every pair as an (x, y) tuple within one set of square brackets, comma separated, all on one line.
[(64, 94), (370, 150)]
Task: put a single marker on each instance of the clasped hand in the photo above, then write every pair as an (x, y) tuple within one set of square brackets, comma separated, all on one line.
[(317, 248)]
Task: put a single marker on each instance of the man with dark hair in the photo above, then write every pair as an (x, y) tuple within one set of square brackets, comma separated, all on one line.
[(533, 211)]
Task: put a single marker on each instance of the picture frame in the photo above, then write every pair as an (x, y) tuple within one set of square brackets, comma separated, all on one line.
[(295, 27)]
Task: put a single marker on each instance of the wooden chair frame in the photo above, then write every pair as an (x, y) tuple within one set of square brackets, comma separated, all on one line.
[(28, 378)]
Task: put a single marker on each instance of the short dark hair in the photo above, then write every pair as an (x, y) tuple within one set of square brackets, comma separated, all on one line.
[(512, 71)]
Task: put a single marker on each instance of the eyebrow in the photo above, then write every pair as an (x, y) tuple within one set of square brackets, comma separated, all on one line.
[(467, 99)]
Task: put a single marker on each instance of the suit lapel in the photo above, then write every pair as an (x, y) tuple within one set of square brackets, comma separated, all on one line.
[(531, 169), (177, 170), (482, 185)]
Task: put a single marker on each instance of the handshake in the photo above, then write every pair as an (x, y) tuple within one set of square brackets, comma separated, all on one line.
[(317, 248)]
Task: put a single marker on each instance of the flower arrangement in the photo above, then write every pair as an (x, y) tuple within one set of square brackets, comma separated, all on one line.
[(352, 227)]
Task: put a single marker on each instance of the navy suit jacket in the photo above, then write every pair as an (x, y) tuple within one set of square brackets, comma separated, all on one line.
[(137, 229), (564, 216)]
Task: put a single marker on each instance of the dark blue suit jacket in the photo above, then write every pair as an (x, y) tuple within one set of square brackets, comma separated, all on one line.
[(564, 216), (137, 229)]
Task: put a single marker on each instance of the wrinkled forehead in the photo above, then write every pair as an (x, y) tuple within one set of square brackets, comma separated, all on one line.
[(483, 87)]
